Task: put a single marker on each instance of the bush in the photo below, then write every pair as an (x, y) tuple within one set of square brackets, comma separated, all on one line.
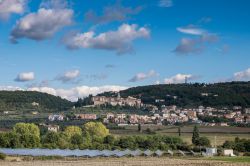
[(246, 154), (2, 156)]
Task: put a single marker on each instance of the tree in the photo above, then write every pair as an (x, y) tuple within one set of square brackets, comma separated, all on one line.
[(28, 134), (76, 139), (139, 127), (203, 141), (110, 139), (179, 131), (72, 130), (96, 129), (196, 134), (51, 138)]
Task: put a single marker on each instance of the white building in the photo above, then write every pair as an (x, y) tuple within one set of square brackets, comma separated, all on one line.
[(228, 152), (53, 128), (56, 118)]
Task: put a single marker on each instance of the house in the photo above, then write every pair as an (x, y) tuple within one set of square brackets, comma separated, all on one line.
[(34, 112), (53, 128), (248, 119), (130, 101), (223, 124), (86, 116), (110, 116), (56, 117), (247, 110), (35, 104), (228, 152), (238, 120), (121, 116), (191, 114)]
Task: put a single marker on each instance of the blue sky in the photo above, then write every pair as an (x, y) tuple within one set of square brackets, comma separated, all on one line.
[(73, 48)]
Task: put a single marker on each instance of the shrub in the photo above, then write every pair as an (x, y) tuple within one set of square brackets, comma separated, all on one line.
[(246, 154), (2, 156)]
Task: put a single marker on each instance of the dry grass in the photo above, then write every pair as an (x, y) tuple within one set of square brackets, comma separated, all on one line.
[(139, 161)]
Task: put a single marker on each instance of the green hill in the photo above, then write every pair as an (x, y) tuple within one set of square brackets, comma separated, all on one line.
[(193, 95), (22, 100)]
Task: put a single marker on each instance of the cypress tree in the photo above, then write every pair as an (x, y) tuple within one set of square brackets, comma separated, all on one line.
[(196, 135), (179, 131)]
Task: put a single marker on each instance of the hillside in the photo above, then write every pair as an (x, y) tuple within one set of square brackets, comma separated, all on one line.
[(193, 95), (22, 100)]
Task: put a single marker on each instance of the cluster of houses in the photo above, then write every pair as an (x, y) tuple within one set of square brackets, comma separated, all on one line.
[(168, 115), (237, 114), (118, 100)]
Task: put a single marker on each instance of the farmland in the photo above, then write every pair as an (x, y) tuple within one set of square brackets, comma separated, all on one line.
[(151, 161), (216, 134)]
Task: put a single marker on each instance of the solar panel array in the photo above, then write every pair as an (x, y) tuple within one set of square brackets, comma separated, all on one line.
[(79, 153)]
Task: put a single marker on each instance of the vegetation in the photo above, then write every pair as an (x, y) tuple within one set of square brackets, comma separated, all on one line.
[(22, 101), (189, 95), (240, 145), (2, 156), (196, 135), (93, 135)]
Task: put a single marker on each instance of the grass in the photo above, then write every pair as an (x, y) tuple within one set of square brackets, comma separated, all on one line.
[(238, 159)]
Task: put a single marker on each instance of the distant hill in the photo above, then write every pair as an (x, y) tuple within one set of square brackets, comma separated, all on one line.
[(22, 100), (193, 95)]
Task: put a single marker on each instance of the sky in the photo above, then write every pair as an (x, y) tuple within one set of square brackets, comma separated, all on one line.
[(73, 48)]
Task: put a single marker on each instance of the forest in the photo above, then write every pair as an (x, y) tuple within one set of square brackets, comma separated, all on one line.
[(22, 100), (218, 95)]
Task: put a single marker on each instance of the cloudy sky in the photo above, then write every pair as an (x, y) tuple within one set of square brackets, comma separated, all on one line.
[(74, 48)]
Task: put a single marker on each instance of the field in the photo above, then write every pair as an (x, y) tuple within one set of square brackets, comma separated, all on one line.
[(138, 161), (216, 134)]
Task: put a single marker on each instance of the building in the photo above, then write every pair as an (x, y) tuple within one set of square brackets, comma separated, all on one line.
[(210, 152), (247, 110), (114, 101), (110, 116), (238, 120), (86, 116), (191, 114), (35, 104), (121, 116), (56, 118), (228, 152), (53, 128)]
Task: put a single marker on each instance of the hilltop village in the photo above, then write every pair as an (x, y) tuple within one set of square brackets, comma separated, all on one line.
[(165, 115)]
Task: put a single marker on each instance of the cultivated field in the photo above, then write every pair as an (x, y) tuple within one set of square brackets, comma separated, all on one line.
[(140, 161), (216, 134)]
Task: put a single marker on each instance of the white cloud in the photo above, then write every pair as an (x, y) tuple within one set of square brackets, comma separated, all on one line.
[(69, 76), (157, 82), (179, 78), (42, 25), (10, 88), (191, 30), (71, 94), (112, 13), (143, 76), (188, 46), (195, 44), (242, 75), (119, 41), (23, 77), (77, 92), (8, 7), (165, 3)]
